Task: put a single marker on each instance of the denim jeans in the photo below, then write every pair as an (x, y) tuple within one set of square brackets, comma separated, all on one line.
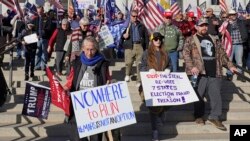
[(237, 54), (19, 49), (174, 60), (41, 54)]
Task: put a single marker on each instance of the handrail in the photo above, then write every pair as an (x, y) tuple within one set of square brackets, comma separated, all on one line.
[(12, 44)]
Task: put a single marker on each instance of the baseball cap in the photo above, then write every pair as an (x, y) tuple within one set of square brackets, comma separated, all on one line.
[(202, 21), (65, 21), (156, 35)]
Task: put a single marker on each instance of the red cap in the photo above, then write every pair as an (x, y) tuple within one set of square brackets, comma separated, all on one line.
[(168, 14), (190, 14)]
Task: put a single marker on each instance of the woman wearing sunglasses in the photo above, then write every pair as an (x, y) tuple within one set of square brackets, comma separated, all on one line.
[(155, 59)]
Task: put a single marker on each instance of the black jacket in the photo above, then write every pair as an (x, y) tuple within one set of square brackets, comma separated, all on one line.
[(128, 43)]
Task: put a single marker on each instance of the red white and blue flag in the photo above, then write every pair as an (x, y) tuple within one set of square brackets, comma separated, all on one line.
[(226, 38), (9, 3), (175, 9), (148, 14), (223, 5)]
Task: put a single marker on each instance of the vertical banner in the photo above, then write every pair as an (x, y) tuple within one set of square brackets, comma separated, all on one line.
[(102, 108), (162, 89), (36, 101)]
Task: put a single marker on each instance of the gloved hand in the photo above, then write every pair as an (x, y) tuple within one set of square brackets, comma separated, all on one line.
[(167, 71), (152, 71)]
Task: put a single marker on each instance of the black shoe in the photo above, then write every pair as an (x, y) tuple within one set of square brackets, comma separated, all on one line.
[(26, 77), (32, 74), (229, 77), (241, 79)]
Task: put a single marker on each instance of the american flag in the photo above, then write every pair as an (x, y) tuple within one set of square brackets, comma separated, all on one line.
[(9, 3), (234, 4), (241, 10), (149, 14), (56, 3), (226, 38), (223, 5), (18, 9), (175, 9)]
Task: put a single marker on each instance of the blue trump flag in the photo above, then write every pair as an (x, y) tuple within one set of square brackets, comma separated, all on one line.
[(188, 8), (248, 7), (77, 11)]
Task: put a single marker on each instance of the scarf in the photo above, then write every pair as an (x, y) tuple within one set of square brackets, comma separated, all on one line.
[(92, 61)]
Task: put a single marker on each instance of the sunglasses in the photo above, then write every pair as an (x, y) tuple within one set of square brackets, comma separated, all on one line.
[(223, 17), (208, 11), (157, 39), (135, 16)]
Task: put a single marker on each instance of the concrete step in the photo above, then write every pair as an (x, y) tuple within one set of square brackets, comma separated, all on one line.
[(17, 107), (34, 138), (17, 117), (34, 130), (180, 128), (234, 105), (186, 137)]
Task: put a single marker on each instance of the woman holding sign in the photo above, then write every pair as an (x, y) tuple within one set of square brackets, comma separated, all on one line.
[(155, 59), (88, 70)]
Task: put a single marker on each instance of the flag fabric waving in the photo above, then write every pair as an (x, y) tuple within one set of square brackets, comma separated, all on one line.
[(148, 14), (59, 96), (226, 38), (9, 3), (240, 9), (56, 3), (188, 8), (248, 7), (18, 9), (234, 4), (175, 9), (223, 5)]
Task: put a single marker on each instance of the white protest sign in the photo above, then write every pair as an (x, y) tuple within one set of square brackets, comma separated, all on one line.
[(102, 108), (167, 89), (106, 35), (32, 38), (86, 4)]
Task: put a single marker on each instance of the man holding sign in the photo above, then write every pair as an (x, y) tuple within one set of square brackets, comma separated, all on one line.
[(89, 70), (204, 58)]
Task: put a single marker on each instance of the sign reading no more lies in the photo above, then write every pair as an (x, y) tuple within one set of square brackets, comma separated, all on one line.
[(161, 89)]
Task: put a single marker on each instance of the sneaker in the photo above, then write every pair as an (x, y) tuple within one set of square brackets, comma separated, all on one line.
[(155, 135), (32, 74), (199, 121), (217, 124), (127, 78), (138, 84)]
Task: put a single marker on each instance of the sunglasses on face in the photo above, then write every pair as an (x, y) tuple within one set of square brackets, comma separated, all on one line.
[(135, 16), (157, 39), (223, 17)]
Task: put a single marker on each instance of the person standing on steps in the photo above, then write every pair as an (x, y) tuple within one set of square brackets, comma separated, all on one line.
[(155, 59), (204, 57), (135, 41)]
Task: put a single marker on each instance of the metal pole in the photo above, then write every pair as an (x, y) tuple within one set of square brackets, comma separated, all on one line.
[(10, 64)]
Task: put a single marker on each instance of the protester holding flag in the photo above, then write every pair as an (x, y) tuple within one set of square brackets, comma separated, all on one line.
[(237, 29), (204, 57), (173, 41), (135, 41), (88, 70), (155, 59)]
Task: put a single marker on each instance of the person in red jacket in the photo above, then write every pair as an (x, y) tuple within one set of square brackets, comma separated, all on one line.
[(60, 37)]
